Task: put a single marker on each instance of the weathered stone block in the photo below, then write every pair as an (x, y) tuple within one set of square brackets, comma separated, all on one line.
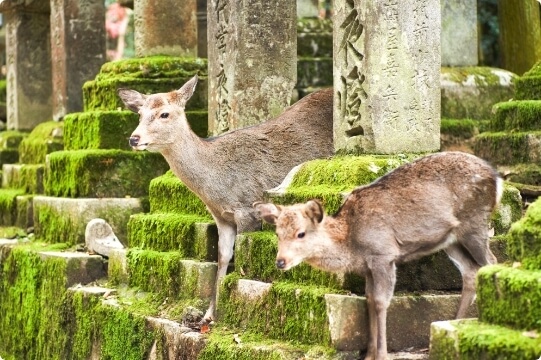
[(189, 235), (509, 296), (25, 212), (101, 173), (459, 33), (81, 268), (505, 148), (166, 273), (471, 92), (528, 86), (44, 139), (26, 177), (159, 33), (252, 61), (77, 50), (168, 194), (387, 73), (147, 75), (8, 206), (64, 220), (524, 238), (516, 116), (469, 339)]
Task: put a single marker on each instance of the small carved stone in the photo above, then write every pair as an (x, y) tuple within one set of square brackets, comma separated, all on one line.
[(100, 238)]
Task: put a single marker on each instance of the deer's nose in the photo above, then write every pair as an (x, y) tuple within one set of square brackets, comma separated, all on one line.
[(134, 140), (280, 263)]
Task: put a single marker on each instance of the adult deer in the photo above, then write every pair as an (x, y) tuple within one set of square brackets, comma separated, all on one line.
[(442, 201), (231, 171)]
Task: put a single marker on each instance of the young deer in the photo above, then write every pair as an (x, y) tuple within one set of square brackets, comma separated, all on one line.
[(231, 171), (442, 201)]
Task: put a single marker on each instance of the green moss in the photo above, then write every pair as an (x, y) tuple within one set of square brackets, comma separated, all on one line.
[(525, 238), (286, 311), (170, 232), (102, 173), (3, 90), (45, 138), (509, 297), (517, 116), (8, 205), (509, 210), (503, 148), (10, 139), (464, 128), (529, 174), (52, 227), (11, 232), (528, 86), (147, 75), (168, 194), (483, 76)]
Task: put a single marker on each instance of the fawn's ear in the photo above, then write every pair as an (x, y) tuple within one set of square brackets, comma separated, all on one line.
[(132, 99), (182, 95), (314, 210), (268, 212)]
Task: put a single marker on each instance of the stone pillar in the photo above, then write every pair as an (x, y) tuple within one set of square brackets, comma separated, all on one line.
[(165, 27), (28, 63), (202, 28), (78, 50), (459, 33), (252, 61), (386, 76)]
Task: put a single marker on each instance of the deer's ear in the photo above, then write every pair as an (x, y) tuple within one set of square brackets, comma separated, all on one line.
[(268, 212), (182, 95), (314, 210), (132, 99)]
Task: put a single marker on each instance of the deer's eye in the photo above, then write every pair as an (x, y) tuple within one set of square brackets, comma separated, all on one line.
[(301, 235), (164, 115)]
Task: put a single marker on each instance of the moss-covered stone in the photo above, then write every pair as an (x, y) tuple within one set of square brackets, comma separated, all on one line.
[(102, 173), (9, 156), (64, 219), (473, 340), (185, 234), (525, 238), (44, 139), (528, 86), (503, 148), (8, 206), (516, 116), (26, 177), (529, 174), (314, 37), (458, 134), (10, 139), (470, 92), (509, 297), (287, 311), (168, 194), (508, 211), (166, 274), (147, 75)]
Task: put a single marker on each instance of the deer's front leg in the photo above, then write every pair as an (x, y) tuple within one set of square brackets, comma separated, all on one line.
[(372, 319), (226, 242)]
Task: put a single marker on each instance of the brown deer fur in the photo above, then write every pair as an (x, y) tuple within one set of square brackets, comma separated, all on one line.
[(231, 171), (442, 201)]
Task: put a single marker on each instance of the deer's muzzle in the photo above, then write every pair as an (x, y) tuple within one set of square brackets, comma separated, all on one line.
[(134, 140)]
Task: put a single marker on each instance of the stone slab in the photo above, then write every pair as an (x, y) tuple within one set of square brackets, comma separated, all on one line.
[(459, 33), (81, 268)]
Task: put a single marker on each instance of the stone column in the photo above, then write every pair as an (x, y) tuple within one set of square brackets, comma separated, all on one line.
[(386, 76), (459, 33), (252, 61), (202, 28), (78, 50), (28, 63), (165, 27)]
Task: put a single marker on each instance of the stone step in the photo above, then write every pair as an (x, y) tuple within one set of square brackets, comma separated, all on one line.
[(168, 194), (255, 257), (26, 177), (9, 146), (148, 75), (510, 297), (330, 180), (9, 206), (64, 220), (504, 148), (317, 316), (102, 173), (44, 139), (458, 134), (112, 129), (191, 236), (528, 86), (470, 92), (523, 238), (164, 273), (471, 339), (516, 116)]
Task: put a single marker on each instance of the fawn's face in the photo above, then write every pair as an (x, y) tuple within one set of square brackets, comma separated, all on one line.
[(161, 116), (297, 228)]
